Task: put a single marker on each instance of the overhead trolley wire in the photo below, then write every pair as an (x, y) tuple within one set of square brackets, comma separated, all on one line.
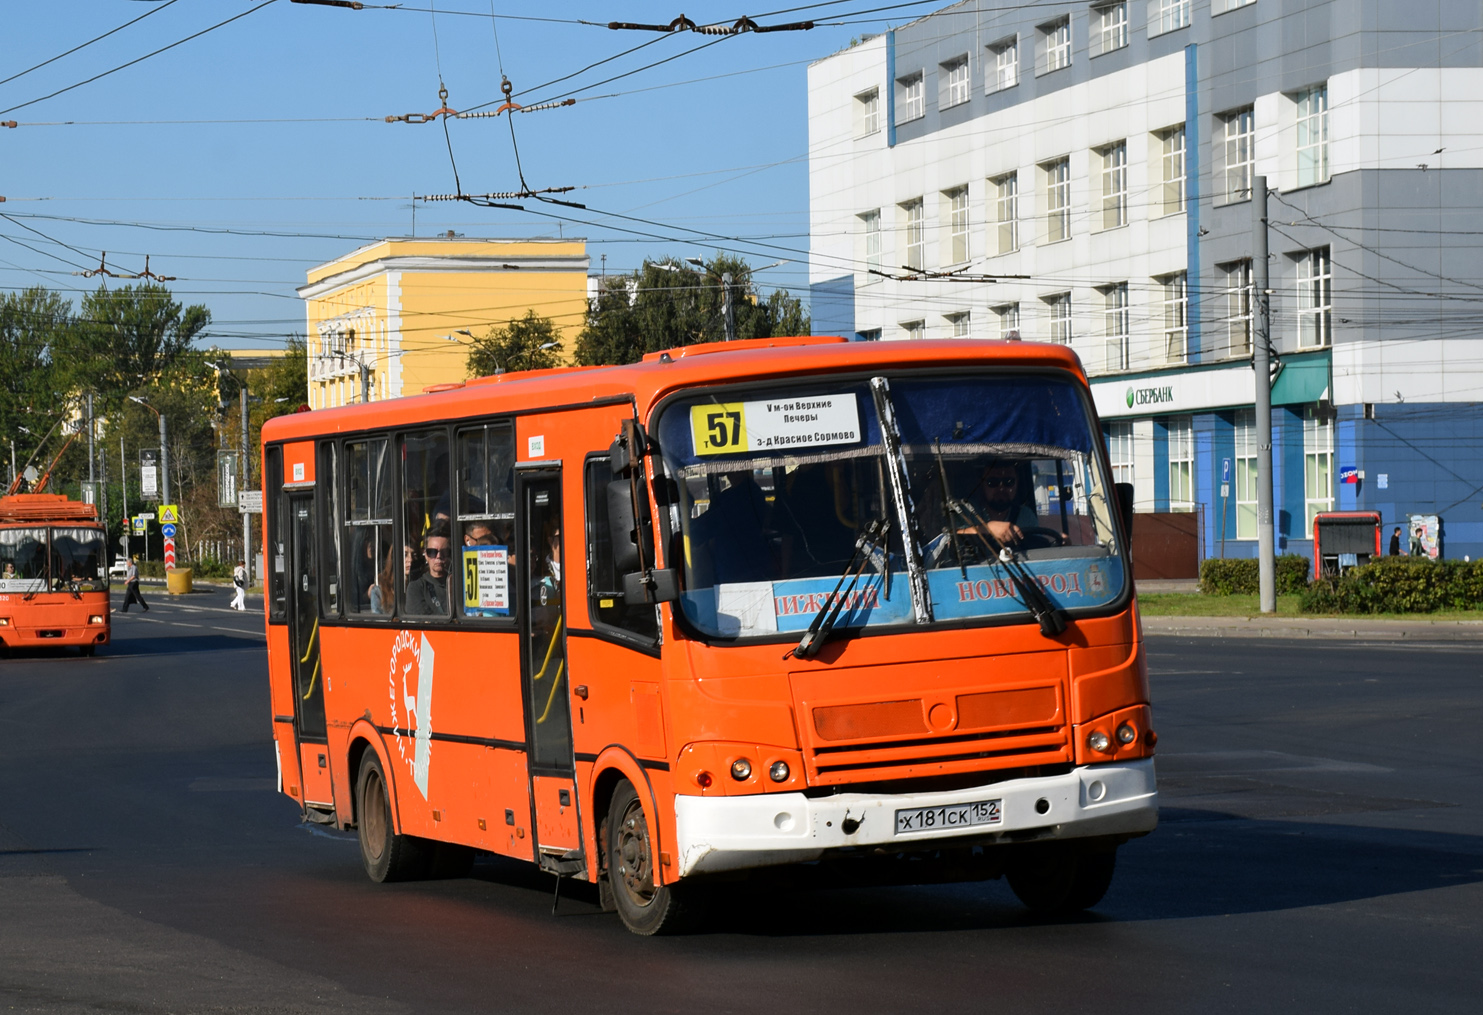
[(84, 45)]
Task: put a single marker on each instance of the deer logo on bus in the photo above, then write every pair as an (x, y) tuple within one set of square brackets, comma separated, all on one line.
[(410, 687)]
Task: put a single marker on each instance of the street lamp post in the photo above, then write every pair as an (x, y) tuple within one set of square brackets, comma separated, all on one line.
[(244, 472), (164, 450)]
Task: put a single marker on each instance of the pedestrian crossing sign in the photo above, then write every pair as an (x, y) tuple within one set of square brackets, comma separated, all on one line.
[(169, 514)]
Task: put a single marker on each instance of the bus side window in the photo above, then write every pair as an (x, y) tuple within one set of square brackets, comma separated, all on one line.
[(277, 561), (370, 564), (329, 521), (427, 525), (605, 601), (485, 526)]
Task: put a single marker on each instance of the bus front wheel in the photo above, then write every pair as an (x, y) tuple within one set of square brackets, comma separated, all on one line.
[(387, 856), (1061, 879), (644, 907)]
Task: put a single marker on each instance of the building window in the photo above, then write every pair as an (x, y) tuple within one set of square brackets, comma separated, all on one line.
[(1109, 27), (916, 233), (1120, 451), (1171, 166), (954, 82), (1236, 133), (1245, 473), (1236, 283), (1004, 65), (1181, 464), (914, 329), (869, 335), (1313, 135), (1221, 6), (1166, 16), (867, 112), (1114, 185), (1318, 468), (962, 324), (870, 225), (1176, 321), (1009, 321), (1315, 298), (1053, 49), (1115, 325), (1007, 211), (1059, 305), (909, 101), (1057, 200), (957, 209)]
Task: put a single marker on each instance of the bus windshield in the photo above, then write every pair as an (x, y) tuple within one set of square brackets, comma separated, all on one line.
[(22, 560), (78, 559), (979, 484)]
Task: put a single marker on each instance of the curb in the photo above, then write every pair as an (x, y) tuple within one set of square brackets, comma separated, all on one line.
[(1270, 627)]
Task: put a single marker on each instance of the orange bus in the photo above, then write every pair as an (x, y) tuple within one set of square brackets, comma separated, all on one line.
[(735, 606), (53, 573)]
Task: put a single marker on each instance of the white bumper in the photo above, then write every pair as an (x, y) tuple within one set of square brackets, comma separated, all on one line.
[(731, 833)]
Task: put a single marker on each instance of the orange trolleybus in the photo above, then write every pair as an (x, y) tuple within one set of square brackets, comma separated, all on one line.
[(53, 573), (740, 605)]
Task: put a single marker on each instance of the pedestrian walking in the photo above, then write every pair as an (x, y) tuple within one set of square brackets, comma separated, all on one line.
[(1395, 542), (239, 579), (131, 586)]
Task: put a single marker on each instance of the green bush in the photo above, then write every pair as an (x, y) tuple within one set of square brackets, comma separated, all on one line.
[(1399, 585), (1232, 577)]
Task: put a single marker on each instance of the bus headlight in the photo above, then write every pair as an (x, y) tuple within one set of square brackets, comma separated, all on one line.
[(1126, 734), (95, 619), (778, 772), (4, 621), (1098, 741), (741, 769)]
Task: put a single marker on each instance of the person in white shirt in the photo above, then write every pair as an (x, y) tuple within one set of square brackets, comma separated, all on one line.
[(239, 579)]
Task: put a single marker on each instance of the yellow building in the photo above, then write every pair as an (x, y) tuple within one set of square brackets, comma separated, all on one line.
[(392, 315)]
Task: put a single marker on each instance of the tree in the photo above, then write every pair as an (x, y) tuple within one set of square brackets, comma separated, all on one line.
[(526, 343), (668, 303), (36, 379), (127, 338)]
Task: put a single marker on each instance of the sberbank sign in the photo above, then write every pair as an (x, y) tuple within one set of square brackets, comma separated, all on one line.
[(1150, 396)]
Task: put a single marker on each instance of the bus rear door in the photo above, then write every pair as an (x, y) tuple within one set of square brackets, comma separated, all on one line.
[(303, 629), (548, 719)]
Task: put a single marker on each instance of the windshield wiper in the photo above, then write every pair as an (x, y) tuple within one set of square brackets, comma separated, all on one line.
[(818, 632), (1050, 617), (906, 512)]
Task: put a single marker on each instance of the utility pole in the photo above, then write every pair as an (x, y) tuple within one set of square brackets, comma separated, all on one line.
[(727, 313), (92, 454), (164, 462), (244, 480), (1266, 535), (123, 472)]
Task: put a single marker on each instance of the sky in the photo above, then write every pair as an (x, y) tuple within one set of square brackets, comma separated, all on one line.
[(162, 158)]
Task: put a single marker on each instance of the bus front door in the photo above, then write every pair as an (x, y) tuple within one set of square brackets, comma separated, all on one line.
[(548, 717), (303, 621)]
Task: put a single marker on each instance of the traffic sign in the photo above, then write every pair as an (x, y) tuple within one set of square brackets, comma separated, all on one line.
[(250, 502), (168, 531), (139, 524), (1225, 470), (169, 513)]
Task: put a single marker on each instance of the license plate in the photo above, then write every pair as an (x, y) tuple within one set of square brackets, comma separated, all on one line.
[(931, 819)]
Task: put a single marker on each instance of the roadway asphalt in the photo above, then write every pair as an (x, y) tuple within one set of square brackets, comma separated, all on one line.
[(1321, 849)]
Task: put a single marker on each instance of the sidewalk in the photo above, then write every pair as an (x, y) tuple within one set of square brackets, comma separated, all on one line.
[(1361, 628)]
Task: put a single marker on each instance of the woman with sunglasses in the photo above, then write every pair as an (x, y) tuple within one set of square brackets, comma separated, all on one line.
[(427, 595)]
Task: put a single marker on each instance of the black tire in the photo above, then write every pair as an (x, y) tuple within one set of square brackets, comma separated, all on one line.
[(644, 908), (1057, 880), (386, 855)]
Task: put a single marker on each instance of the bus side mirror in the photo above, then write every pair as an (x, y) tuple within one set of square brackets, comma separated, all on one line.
[(622, 532), (660, 585), (1125, 502)]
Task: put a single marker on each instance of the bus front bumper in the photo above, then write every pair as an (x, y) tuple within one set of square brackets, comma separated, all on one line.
[(732, 833)]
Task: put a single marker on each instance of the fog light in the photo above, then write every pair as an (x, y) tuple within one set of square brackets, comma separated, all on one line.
[(95, 619), (1098, 741), (703, 780), (4, 621), (778, 772), (1126, 734), (741, 769)]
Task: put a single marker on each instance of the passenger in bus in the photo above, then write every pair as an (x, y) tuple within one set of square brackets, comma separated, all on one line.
[(479, 533), (727, 542), (427, 595), (815, 539), (999, 500)]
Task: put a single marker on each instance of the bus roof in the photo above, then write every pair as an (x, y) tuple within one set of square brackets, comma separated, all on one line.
[(45, 507), (663, 372)]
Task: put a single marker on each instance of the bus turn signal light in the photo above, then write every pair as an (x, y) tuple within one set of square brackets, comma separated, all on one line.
[(778, 772), (741, 769), (1126, 734), (1098, 741), (703, 779)]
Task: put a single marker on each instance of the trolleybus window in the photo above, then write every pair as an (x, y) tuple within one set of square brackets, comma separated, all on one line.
[(330, 512), (789, 497), (486, 519), (370, 563), (273, 520), (427, 526), (23, 560), (604, 582), (78, 559)]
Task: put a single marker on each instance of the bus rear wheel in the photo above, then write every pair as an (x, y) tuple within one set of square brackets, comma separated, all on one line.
[(644, 907), (386, 855), (1062, 879)]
